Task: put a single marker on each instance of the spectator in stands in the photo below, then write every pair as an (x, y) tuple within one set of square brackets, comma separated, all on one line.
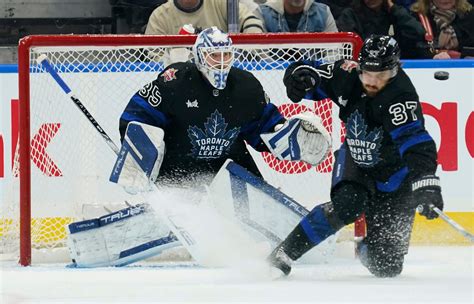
[(449, 26), (367, 17), (170, 17), (296, 16), (336, 6)]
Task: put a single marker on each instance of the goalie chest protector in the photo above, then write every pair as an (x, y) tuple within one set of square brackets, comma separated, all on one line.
[(203, 126)]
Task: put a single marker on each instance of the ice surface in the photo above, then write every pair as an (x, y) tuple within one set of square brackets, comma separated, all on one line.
[(431, 275)]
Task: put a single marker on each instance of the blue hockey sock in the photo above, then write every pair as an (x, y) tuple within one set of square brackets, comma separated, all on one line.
[(316, 225)]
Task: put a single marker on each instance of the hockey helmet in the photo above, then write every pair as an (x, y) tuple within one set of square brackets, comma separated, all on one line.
[(379, 53), (213, 55)]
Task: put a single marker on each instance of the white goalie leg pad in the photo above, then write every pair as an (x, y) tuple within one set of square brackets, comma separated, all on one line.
[(264, 212), (302, 137), (139, 160), (119, 238)]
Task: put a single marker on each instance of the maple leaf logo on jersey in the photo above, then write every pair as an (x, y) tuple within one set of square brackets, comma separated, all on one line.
[(169, 74), (364, 148), (214, 141)]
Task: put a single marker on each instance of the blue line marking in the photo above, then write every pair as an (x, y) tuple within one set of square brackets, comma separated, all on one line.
[(437, 64), (248, 65), (8, 68)]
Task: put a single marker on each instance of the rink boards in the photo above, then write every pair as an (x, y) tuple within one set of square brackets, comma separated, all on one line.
[(448, 108)]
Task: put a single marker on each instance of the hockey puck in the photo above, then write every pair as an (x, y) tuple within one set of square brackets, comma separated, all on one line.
[(441, 75)]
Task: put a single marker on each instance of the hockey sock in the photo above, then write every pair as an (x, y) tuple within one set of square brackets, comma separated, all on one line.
[(314, 228), (316, 225)]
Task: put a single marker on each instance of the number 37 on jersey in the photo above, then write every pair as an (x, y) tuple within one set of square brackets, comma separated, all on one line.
[(403, 111)]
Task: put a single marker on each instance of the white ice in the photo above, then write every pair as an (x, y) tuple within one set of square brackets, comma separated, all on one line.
[(431, 275)]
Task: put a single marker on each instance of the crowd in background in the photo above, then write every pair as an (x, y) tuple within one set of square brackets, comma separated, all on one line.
[(439, 29)]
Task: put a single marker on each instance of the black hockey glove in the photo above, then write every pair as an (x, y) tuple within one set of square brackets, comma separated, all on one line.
[(426, 194), (299, 79)]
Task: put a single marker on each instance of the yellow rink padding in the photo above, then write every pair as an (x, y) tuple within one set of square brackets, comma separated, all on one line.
[(438, 232), (49, 232), (434, 232)]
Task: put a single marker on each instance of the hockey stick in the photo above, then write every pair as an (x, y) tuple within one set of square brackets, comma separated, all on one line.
[(449, 221), (43, 60), (172, 221)]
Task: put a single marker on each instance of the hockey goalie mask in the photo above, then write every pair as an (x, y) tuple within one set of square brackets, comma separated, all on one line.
[(214, 54)]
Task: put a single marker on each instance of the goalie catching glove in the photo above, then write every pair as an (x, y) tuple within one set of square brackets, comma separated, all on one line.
[(302, 137), (299, 79), (140, 157)]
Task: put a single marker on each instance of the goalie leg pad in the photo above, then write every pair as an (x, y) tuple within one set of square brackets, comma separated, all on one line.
[(139, 160), (266, 213), (119, 238), (302, 137)]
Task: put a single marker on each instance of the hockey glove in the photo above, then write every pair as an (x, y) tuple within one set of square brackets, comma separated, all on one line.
[(426, 195), (299, 79)]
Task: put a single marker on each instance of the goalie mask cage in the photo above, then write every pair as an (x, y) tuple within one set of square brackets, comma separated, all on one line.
[(62, 164)]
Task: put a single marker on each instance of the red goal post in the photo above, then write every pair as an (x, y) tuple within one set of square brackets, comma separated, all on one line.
[(118, 65)]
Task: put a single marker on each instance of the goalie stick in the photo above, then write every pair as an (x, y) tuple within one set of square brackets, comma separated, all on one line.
[(171, 220), (43, 60)]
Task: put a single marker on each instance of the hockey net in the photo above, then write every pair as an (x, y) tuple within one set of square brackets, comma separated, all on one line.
[(62, 164)]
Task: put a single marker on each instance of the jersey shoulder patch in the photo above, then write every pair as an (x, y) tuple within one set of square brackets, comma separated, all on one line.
[(169, 74), (173, 73)]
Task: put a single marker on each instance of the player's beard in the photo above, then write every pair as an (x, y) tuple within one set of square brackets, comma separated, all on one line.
[(372, 90)]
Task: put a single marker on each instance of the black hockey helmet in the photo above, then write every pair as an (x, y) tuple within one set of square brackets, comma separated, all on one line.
[(379, 53)]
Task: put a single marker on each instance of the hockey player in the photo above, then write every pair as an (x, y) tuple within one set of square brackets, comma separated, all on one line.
[(208, 109), (386, 165)]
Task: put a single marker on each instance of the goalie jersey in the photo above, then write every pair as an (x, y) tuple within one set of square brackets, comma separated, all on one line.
[(203, 126), (385, 134)]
